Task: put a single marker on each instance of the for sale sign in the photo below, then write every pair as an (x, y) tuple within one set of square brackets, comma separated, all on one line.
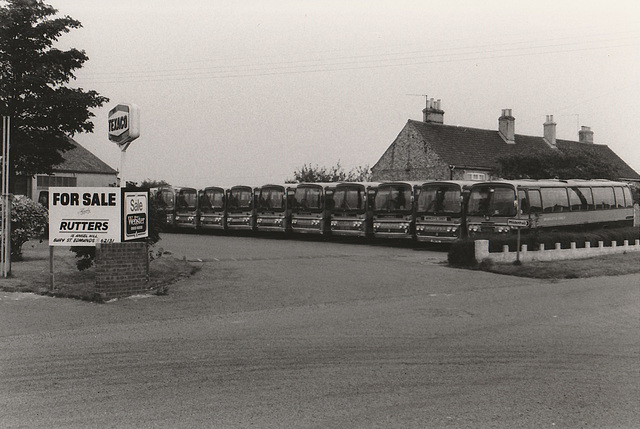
[(84, 216), (135, 217)]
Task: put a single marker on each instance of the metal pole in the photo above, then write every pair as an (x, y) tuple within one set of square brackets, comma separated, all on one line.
[(51, 270), (7, 269), (5, 224), (4, 208), (123, 163), (518, 217)]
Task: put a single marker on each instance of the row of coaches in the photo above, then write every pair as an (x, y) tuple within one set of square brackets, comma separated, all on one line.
[(431, 211)]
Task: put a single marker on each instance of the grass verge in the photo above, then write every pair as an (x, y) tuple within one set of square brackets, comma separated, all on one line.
[(32, 273), (609, 265)]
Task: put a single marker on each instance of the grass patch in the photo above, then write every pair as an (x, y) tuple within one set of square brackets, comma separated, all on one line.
[(608, 265), (31, 274)]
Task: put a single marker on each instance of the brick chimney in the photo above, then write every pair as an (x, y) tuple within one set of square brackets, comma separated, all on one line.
[(585, 135), (550, 131), (507, 126), (432, 113)]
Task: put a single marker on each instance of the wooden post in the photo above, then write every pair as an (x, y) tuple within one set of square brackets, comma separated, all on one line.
[(51, 266)]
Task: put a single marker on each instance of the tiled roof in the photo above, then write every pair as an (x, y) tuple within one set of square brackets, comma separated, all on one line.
[(478, 148), (80, 160)]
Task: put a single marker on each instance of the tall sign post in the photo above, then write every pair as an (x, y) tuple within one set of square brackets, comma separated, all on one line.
[(124, 127), (518, 223), (5, 221)]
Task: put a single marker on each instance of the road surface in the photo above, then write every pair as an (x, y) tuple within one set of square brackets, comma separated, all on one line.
[(308, 334)]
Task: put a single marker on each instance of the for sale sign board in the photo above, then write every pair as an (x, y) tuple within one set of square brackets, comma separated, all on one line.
[(89, 216), (84, 216)]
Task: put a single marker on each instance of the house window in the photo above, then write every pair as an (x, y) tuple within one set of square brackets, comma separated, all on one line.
[(46, 182), (476, 176)]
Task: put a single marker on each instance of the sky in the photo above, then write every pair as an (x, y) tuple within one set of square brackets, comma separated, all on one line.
[(247, 91)]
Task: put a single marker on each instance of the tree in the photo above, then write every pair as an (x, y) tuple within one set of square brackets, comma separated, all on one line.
[(149, 183), (309, 173), (558, 165), (33, 91)]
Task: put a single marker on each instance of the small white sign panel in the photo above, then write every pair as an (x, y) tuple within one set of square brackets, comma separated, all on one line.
[(518, 223), (135, 217), (84, 216)]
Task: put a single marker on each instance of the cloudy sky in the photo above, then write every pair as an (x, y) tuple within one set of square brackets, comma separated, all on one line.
[(247, 91)]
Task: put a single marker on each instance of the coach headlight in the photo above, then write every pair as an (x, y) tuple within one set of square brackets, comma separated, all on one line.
[(357, 224), (474, 228), (334, 223)]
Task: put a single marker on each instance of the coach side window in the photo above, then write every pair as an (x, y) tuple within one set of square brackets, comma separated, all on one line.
[(535, 202), (604, 198), (619, 197), (554, 200), (578, 200), (586, 193), (628, 198)]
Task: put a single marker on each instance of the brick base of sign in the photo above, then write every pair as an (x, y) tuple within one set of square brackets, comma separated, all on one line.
[(122, 269)]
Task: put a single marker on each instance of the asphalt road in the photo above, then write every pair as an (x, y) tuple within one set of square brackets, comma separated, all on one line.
[(304, 334)]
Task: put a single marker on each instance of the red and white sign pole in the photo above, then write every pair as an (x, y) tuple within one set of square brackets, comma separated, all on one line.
[(124, 127)]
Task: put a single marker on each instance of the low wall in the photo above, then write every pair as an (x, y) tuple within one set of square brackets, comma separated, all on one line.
[(482, 252), (122, 269)]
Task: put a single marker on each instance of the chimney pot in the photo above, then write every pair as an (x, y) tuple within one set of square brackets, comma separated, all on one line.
[(550, 131), (433, 113), (507, 126), (585, 135)]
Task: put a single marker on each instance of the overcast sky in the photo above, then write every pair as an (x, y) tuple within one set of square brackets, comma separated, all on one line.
[(246, 92)]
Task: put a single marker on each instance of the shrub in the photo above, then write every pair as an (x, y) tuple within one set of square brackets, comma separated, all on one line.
[(29, 220), (462, 253)]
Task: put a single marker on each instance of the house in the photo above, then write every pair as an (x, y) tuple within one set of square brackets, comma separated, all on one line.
[(80, 168), (430, 150)]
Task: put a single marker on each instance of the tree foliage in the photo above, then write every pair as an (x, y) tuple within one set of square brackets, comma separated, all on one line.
[(33, 86), (555, 165), (29, 220), (310, 173), (152, 183)]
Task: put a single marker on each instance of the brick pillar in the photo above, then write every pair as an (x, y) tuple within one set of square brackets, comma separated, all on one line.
[(122, 269)]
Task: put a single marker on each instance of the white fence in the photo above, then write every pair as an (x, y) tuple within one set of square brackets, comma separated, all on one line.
[(482, 252)]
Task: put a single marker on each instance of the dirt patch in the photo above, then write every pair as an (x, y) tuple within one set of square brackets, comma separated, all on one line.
[(32, 274)]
